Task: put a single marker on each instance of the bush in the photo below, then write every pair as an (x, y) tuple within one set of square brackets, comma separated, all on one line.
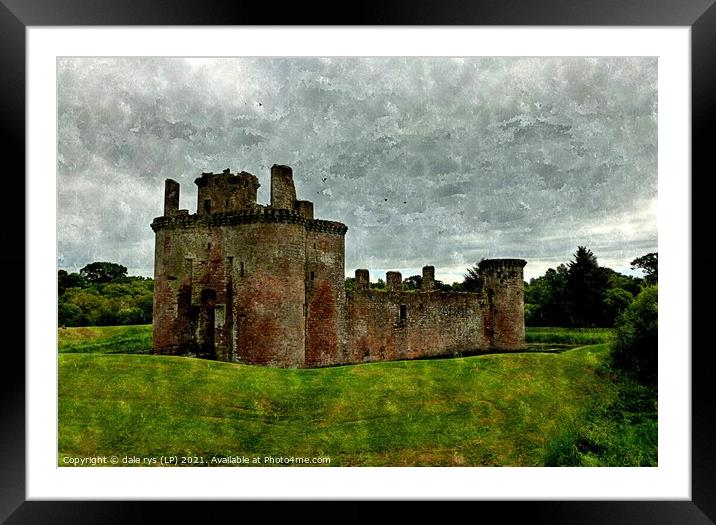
[(125, 300), (636, 337), (70, 315), (622, 433), (616, 301), (130, 316)]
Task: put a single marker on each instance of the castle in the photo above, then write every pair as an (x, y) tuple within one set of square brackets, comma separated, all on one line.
[(265, 285)]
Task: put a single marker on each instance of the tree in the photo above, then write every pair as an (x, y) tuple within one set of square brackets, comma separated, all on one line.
[(443, 287), (414, 282), (131, 315), (649, 264), (586, 286), (629, 283), (616, 300), (103, 272), (125, 300), (68, 280), (473, 279), (546, 299), (70, 315), (636, 337), (379, 285)]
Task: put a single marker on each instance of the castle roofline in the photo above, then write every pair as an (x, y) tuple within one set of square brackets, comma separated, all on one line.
[(494, 263), (246, 216), (233, 178)]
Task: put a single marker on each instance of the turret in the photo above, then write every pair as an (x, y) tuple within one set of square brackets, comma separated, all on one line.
[(428, 282), (171, 197), (362, 279), (223, 192), (394, 280), (283, 192), (503, 288)]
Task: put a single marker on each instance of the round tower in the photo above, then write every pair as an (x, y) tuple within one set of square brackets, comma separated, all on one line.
[(238, 281), (503, 288)]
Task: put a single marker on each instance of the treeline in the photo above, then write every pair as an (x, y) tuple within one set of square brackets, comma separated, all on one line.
[(102, 294), (581, 293)]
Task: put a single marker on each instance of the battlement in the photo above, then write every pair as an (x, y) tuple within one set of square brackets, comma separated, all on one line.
[(227, 199), (243, 178), (226, 191), (247, 216), (488, 264)]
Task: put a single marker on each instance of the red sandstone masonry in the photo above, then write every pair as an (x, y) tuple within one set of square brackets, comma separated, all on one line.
[(242, 282)]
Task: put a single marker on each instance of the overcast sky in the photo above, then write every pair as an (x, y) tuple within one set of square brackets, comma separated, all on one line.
[(427, 161)]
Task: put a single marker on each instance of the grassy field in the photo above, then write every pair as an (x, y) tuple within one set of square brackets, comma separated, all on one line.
[(525, 409), (567, 336), (138, 339), (105, 339), (487, 410)]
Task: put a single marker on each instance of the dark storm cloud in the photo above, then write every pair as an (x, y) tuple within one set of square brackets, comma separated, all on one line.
[(428, 161)]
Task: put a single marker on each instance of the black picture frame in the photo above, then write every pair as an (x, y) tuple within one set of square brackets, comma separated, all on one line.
[(16, 15)]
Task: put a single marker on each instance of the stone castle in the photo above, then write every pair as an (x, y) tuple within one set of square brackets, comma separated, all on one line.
[(264, 285)]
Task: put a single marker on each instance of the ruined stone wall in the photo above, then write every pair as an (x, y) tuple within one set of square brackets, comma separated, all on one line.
[(225, 192), (325, 297), (270, 292), (165, 338), (191, 293), (242, 273), (409, 325), (283, 192)]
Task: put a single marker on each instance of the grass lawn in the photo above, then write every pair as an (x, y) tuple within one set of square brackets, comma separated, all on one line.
[(522, 409), (567, 336), (105, 339), (486, 410), (138, 339)]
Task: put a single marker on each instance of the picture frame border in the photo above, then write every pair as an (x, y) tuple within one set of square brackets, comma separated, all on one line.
[(699, 15)]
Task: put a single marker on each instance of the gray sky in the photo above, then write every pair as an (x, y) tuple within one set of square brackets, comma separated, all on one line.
[(437, 161)]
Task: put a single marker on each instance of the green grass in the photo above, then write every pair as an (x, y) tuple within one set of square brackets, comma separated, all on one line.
[(501, 409), (522, 409), (568, 336), (616, 434), (138, 339), (105, 339)]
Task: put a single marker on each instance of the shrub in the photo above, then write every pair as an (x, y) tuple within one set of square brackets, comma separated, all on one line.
[(70, 315), (636, 337)]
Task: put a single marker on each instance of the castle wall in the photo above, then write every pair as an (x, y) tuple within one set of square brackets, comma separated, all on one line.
[(430, 324), (165, 338), (265, 285), (269, 292), (237, 289), (325, 298)]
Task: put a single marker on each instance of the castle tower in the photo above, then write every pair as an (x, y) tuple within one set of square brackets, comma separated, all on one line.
[(503, 288), (428, 282), (225, 192), (283, 192), (238, 281)]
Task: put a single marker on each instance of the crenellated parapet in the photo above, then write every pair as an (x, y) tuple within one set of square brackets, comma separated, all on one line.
[(246, 216), (223, 192)]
